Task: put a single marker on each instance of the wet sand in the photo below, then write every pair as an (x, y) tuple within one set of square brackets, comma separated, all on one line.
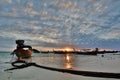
[(76, 72), (84, 68)]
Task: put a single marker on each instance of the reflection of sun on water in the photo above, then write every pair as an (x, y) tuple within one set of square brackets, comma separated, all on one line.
[(68, 66), (68, 61), (68, 58)]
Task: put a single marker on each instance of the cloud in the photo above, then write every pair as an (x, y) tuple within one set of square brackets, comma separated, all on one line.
[(56, 23), (114, 34), (4, 2)]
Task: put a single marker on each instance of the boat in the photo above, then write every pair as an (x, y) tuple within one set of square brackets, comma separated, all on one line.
[(23, 54)]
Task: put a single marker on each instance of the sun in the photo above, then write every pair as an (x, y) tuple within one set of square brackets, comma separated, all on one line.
[(68, 49)]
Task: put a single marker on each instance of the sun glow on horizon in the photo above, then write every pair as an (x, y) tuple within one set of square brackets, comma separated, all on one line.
[(68, 49)]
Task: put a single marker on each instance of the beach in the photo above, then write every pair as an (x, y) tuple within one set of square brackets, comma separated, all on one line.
[(69, 39), (109, 63)]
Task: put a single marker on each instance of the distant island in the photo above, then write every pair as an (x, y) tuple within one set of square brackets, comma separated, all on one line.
[(83, 52), (35, 51)]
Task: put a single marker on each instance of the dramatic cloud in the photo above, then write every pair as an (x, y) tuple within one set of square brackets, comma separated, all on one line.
[(56, 23)]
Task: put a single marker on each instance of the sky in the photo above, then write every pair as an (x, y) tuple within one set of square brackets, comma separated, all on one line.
[(54, 24)]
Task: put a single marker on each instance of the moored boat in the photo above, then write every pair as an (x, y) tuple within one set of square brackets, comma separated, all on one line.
[(23, 54)]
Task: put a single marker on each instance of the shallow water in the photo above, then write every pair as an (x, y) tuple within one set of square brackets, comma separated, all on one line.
[(108, 63)]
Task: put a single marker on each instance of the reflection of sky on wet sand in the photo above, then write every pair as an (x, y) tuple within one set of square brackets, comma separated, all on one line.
[(108, 63), (66, 61)]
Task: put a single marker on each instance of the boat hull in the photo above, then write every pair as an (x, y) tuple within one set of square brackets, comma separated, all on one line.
[(22, 54)]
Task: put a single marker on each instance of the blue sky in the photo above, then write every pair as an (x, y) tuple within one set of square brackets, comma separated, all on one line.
[(48, 24)]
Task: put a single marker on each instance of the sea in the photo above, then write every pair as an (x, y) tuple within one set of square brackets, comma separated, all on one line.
[(109, 62)]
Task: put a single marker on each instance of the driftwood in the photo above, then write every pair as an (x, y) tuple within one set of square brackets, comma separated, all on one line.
[(76, 72)]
